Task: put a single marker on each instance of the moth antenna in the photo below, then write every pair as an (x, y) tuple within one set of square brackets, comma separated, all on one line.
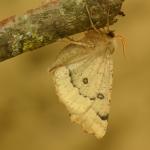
[(90, 18), (107, 25)]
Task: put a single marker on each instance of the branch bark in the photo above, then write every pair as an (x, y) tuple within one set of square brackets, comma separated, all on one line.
[(52, 21)]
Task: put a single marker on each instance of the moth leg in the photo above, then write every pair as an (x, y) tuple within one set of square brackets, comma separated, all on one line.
[(90, 45), (45, 2), (80, 43), (90, 18)]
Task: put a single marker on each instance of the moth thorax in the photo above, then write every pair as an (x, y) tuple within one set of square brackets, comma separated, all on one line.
[(111, 45), (105, 46)]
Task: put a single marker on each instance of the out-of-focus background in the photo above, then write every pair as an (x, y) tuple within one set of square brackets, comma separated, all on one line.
[(31, 117)]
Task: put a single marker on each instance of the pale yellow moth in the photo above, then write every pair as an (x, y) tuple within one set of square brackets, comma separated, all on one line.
[(83, 74)]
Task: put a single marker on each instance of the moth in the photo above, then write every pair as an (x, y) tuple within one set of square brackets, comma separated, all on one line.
[(83, 76)]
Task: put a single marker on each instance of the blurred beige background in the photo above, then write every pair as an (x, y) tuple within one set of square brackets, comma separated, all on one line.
[(31, 117)]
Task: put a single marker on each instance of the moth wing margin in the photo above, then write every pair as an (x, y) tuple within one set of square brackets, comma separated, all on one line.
[(82, 110)]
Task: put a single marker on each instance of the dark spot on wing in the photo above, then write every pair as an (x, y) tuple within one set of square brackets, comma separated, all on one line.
[(83, 95), (92, 98), (70, 75), (85, 80), (103, 117), (100, 96)]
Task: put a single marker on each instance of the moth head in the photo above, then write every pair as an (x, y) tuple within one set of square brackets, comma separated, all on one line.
[(110, 34)]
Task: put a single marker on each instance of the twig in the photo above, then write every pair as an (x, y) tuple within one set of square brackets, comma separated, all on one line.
[(52, 21)]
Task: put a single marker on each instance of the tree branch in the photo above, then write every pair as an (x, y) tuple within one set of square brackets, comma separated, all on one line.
[(52, 21)]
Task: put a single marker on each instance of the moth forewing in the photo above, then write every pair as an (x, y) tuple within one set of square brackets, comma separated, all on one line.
[(70, 54), (83, 81)]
